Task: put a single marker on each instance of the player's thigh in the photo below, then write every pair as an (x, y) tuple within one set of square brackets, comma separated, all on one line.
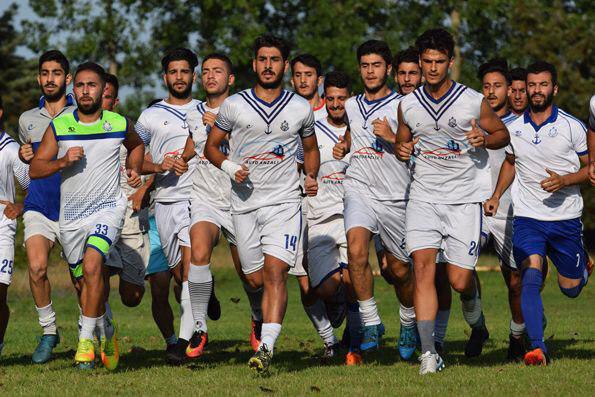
[(36, 224), (135, 252), (324, 250), (423, 227), (173, 222), (248, 240), (360, 221), (500, 229), (529, 241), (566, 250), (392, 231), (462, 227), (460, 278), (204, 236), (6, 263), (281, 229), (300, 267)]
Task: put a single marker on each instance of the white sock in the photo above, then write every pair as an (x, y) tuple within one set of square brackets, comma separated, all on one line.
[(407, 315), (80, 320), (517, 330), (47, 319), (100, 327), (317, 314), (441, 325), (269, 334), (255, 299), (109, 327), (200, 285), (87, 327), (369, 312), (186, 318)]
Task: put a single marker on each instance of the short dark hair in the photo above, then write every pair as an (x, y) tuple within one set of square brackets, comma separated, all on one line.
[(409, 55), (337, 79), (378, 47), (269, 40), (113, 80), (518, 74), (543, 66), (308, 60), (495, 65), (436, 39), (93, 67), (56, 56), (179, 54), (221, 57)]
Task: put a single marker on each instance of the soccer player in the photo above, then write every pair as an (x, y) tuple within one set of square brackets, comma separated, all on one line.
[(264, 124), (164, 129), (547, 148), (42, 203), (407, 72), (439, 136), (84, 148), (591, 141), (376, 193), (306, 77), (496, 81), (11, 167), (517, 96)]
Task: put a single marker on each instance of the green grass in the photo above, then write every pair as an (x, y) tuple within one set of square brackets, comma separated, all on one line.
[(296, 369)]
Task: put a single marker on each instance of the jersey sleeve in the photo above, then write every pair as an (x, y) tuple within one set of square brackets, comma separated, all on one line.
[(23, 135), (142, 129), (226, 117), (20, 169), (592, 113), (509, 149), (308, 126), (578, 136), (299, 155)]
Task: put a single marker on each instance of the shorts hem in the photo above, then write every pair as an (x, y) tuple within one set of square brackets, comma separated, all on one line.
[(328, 275), (421, 247)]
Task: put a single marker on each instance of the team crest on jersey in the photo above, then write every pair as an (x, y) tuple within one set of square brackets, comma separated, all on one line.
[(518, 133), (272, 157), (71, 129), (107, 127), (165, 122), (552, 132), (452, 122), (284, 126), (30, 127), (184, 124), (536, 140)]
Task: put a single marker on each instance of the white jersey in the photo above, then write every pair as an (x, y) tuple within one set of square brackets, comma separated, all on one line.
[(592, 113), (209, 183), (445, 168), (164, 129), (264, 137), (320, 112), (10, 167), (374, 170), (556, 144), (496, 159), (329, 199)]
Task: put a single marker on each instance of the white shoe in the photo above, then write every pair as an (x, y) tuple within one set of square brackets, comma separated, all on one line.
[(430, 363)]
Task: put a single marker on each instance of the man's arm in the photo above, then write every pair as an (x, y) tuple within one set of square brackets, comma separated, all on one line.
[(44, 165), (498, 136), (311, 164), (404, 144), (134, 159), (556, 181), (189, 151), (237, 172), (505, 179)]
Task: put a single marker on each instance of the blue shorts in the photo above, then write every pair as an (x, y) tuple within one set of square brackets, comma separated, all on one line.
[(562, 241), (157, 261)]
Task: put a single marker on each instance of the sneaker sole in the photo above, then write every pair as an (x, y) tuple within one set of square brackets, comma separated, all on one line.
[(256, 365)]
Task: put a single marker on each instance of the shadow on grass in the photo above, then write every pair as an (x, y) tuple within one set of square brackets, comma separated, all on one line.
[(25, 359)]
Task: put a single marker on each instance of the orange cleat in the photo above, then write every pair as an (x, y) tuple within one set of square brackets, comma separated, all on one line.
[(197, 344), (536, 357), (353, 358), (255, 334)]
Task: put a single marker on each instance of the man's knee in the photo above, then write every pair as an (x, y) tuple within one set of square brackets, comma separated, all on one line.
[(131, 295), (575, 291)]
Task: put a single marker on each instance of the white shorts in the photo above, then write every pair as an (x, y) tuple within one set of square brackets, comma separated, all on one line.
[(453, 228), (272, 230), (173, 222), (37, 224), (301, 259), (6, 263), (130, 256), (327, 249), (202, 211), (100, 232), (500, 230), (384, 218)]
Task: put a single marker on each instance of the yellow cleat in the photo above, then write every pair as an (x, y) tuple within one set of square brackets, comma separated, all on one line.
[(110, 355), (85, 353)]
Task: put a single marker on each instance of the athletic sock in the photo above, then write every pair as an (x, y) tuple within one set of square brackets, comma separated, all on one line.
[(255, 299), (200, 285), (471, 305), (426, 335), (532, 306), (407, 315), (441, 324), (87, 327), (354, 324), (186, 318), (80, 321), (171, 340), (317, 315), (517, 330), (101, 327), (47, 319), (369, 312), (269, 334)]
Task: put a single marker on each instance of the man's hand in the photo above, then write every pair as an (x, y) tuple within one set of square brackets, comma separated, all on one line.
[(242, 174), (340, 148), (554, 183), (140, 199), (475, 137), (26, 152), (133, 179), (209, 118), (72, 155), (311, 186), (12, 210), (490, 207), (166, 165), (180, 166), (382, 130), (405, 149)]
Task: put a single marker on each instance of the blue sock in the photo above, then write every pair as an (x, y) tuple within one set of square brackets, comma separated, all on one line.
[(532, 306)]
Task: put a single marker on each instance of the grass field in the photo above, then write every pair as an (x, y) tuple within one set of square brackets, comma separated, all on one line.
[(296, 370)]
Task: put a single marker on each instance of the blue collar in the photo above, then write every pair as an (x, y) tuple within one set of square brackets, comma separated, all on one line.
[(506, 115), (69, 101), (391, 92), (265, 103), (445, 95), (553, 117)]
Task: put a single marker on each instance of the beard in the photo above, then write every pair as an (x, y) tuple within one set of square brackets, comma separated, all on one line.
[(373, 90), (309, 95), (499, 105), (56, 95), (91, 108), (540, 107), (180, 94), (271, 84)]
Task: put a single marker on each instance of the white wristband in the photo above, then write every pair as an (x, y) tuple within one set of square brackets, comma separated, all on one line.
[(230, 168)]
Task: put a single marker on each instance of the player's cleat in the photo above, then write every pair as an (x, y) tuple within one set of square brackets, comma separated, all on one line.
[(430, 363), (408, 340), (169, 348), (177, 355), (353, 357), (261, 360), (110, 352), (43, 351), (336, 309), (197, 344), (536, 357), (478, 337), (371, 337), (330, 351), (214, 307), (85, 354), (516, 348), (255, 334)]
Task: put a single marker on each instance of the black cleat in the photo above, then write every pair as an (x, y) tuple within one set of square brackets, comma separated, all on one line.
[(177, 354), (261, 360), (330, 351), (516, 349), (214, 308), (474, 346), (336, 307)]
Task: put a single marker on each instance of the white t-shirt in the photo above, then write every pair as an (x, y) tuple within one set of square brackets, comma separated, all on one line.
[(445, 168), (164, 129), (264, 137), (320, 112), (10, 167), (556, 144)]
